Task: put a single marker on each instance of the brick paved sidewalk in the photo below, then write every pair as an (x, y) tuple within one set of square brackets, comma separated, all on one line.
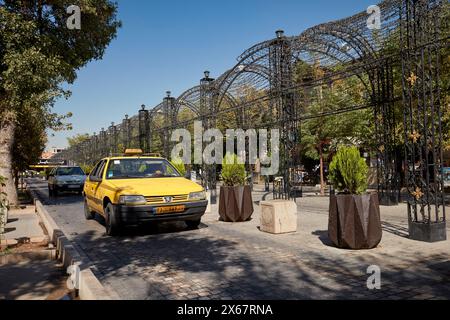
[(237, 261)]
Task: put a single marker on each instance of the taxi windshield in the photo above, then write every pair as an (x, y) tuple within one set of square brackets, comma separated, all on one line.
[(140, 168)]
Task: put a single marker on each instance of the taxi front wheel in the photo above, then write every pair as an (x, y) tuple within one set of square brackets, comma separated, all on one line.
[(112, 223)]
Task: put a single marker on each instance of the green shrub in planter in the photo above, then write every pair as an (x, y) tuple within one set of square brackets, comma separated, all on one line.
[(348, 171), (179, 165), (235, 203), (354, 216), (233, 172)]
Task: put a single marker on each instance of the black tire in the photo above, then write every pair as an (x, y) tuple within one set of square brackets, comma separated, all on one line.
[(88, 214), (112, 223), (193, 224)]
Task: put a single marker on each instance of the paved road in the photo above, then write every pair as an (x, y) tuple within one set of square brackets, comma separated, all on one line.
[(237, 261)]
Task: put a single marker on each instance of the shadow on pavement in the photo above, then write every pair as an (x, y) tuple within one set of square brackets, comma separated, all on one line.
[(178, 265), (323, 237), (29, 278), (395, 229)]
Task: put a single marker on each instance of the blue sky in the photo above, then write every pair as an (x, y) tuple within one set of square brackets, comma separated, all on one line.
[(166, 45)]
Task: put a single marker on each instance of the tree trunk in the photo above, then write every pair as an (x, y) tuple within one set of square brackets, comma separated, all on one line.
[(322, 179), (7, 127)]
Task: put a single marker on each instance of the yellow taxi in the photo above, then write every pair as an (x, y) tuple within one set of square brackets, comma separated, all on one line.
[(137, 188)]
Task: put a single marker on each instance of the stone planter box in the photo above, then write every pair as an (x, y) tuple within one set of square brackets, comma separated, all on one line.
[(428, 232), (235, 204), (278, 216), (354, 221)]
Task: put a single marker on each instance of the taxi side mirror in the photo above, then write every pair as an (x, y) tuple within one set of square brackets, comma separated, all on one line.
[(187, 175)]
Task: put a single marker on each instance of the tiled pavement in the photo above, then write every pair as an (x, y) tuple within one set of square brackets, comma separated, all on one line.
[(237, 261)]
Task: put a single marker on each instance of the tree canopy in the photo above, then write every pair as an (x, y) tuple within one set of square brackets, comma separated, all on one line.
[(38, 54)]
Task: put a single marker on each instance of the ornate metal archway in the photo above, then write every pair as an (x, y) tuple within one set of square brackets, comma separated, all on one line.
[(408, 42)]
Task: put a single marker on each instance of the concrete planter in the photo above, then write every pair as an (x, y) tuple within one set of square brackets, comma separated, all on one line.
[(354, 221), (235, 204), (278, 216)]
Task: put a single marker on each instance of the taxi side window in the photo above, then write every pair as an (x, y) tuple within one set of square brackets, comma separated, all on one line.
[(98, 168), (101, 169), (92, 174)]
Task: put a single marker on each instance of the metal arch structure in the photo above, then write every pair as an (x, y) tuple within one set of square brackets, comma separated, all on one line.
[(273, 62), (168, 109), (190, 99), (347, 42), (407, 42)]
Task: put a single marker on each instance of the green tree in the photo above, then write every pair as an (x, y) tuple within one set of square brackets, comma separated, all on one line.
[(323, 130), (77, 139), (29, 141), (38, 53)]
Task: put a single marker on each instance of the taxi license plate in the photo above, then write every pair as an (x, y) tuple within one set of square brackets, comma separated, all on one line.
[(170, 209)]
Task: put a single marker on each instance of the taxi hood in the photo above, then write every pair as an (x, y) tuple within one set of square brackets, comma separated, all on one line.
[(155, 186)]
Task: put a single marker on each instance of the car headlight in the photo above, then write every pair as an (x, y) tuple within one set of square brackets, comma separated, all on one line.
[(197, 195), (132, 200)]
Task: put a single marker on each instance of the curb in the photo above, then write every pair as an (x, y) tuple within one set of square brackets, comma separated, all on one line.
[(90, 287)]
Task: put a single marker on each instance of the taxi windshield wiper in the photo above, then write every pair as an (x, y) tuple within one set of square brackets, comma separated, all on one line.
[(133, 176), (127, 176)]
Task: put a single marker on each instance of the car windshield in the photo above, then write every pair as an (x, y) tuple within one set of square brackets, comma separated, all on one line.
[(70, 171), (140, 168)]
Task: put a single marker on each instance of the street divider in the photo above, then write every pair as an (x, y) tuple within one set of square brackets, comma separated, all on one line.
[(84, 280)]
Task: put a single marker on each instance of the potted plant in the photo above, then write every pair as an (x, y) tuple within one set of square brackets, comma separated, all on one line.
[(354, 215), (235, 202), (4, 206)]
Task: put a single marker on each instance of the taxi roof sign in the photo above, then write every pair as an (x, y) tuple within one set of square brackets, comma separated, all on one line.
[(133, 152)]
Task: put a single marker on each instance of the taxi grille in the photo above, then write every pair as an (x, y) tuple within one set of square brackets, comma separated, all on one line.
[(161, 199)]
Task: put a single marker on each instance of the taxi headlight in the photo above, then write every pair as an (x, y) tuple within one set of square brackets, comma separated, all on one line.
[(132, 200), (197, 195)]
